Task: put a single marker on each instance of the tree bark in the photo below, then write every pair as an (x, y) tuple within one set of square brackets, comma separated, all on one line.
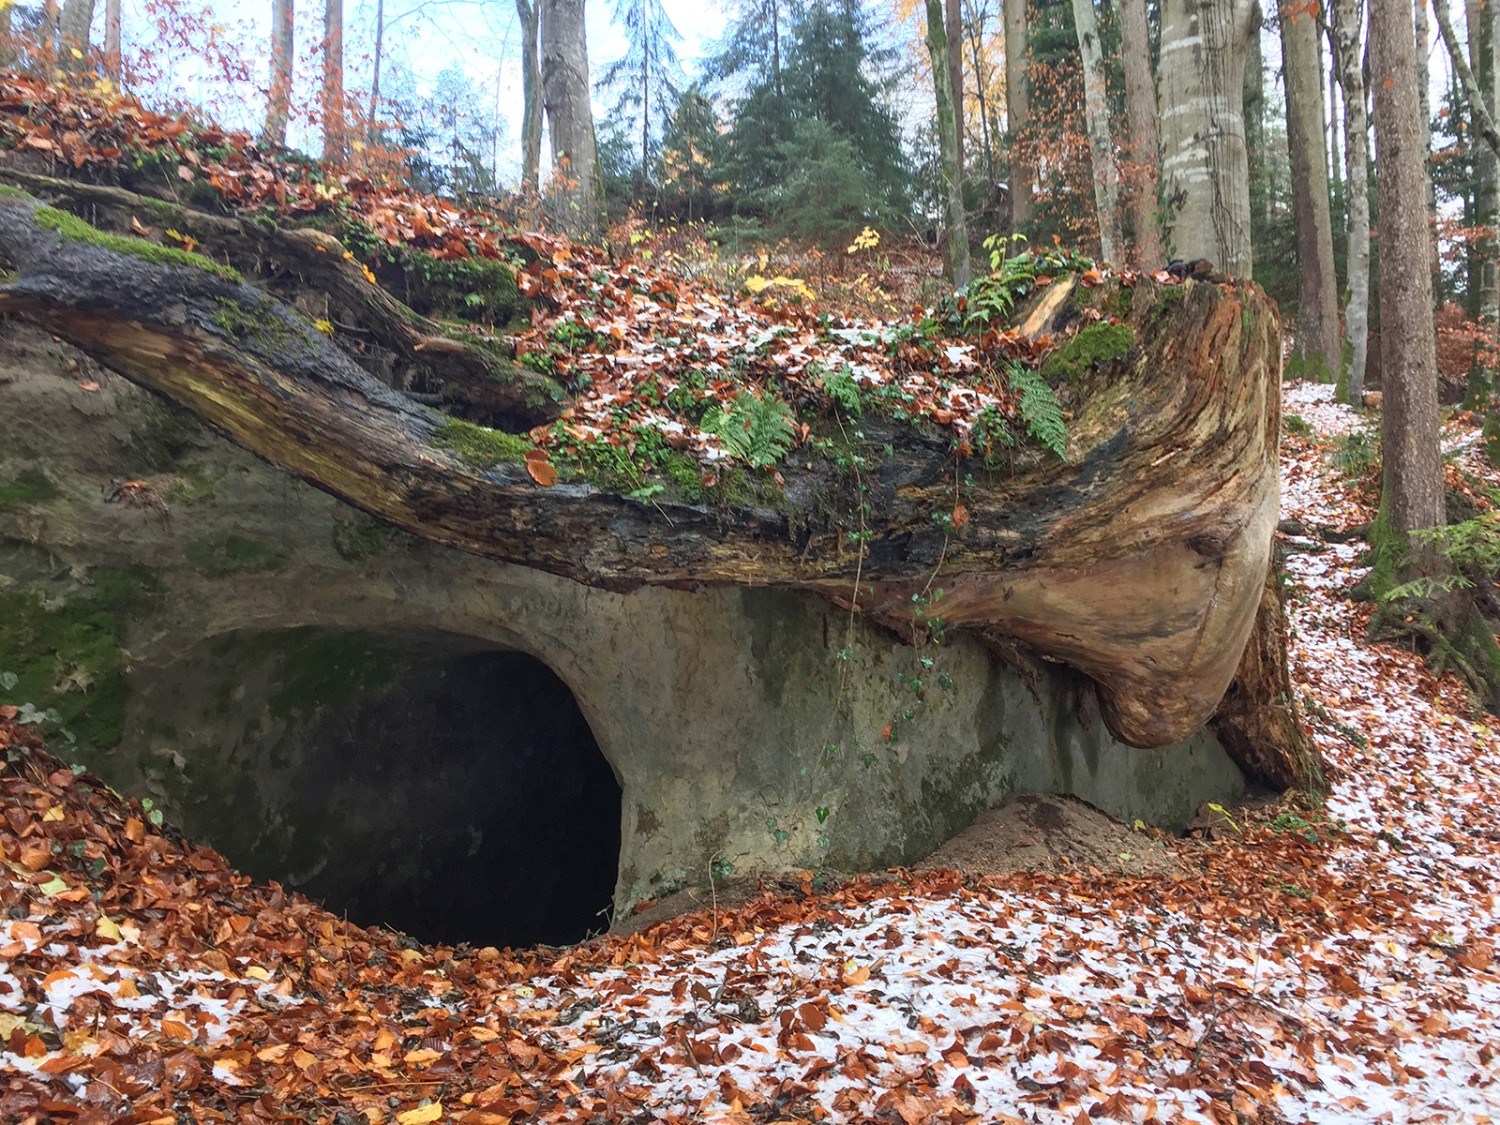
[(1412, 478), (529, 15), (1101, 147), (1316, 352), (570, 116), (1139, 559), (1018, 111), (1349, 55), (1205, 169), (372, 116), (73, 53), (1145, 139), (956, 239), (112, 60), (335, 138), (953, 29), (279, 102)]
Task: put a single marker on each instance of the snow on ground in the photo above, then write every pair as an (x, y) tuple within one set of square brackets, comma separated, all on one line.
[(1333, 965)]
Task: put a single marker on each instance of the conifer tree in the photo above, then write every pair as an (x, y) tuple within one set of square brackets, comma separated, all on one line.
[(647, 78)]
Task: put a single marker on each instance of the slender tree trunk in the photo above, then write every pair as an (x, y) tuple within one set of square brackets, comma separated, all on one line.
[(1145, 141), (1101, 147), (335, 138), (112, 61), (73, 52), (1348, 21), (570, 116), (1018, 111), (1205, 168), (1254, 93), (974, 33), (1481, 25), (1317, 351), (953, 28), (47, 36), (279, 104), (956, 244), (1412, 484), (1423, 36), (531, 95), (372, 117), (7, 53)]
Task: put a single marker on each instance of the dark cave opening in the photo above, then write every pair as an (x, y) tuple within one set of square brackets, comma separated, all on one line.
[(511, 832), (453, 793)]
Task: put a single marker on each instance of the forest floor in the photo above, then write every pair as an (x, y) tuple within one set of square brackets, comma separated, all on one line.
[(1285, 963)]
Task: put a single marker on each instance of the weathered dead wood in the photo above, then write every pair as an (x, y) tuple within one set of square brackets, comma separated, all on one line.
[(309, 268), (1140, 560)]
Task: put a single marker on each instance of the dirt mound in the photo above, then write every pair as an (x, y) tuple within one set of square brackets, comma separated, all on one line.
[(1044, 832)]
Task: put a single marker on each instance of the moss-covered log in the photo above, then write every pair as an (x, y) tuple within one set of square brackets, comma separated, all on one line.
[(1139, 558)]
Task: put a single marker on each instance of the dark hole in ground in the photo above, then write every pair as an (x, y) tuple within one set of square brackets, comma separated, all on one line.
[(454, 794)]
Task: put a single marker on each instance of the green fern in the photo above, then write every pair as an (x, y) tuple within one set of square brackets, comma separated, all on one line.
[(1426, 586), (754, 428), (1473, 544), (842, 389), (1038, 407)]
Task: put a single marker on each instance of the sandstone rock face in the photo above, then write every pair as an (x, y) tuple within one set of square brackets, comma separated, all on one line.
[(300, 686)]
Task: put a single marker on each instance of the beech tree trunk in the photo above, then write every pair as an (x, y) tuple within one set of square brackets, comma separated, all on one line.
[(1348, 18), (1140, 558), (279, 102), (1205, 169), (1412, 475), (1101, 147), (1316, 352), (953, 29), (956, 240), (112, 62), (335, 141), (77, 18), (1018, 111), (529, 15), (371, 116), (570, 116), (1145, 138)]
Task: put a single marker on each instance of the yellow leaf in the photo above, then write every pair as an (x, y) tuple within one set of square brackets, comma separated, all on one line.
[(54, 813), (53, 886), (324, 326), (255, 972), (422, 1115), (77, 54), (107, 929)]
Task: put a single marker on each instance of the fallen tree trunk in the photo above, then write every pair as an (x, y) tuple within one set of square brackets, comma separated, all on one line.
[(1140, 558)]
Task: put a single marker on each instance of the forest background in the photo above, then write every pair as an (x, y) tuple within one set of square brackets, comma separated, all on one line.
[(771, 120)]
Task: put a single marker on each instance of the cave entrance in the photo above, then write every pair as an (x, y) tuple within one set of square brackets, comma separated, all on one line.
[(452, 792)]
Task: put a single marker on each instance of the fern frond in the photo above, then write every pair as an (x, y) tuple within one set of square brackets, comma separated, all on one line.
[(1426, 586), (754, 428), (842, 389), (1038, 407)]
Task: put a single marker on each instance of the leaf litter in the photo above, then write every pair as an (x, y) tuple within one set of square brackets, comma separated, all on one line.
[(1315, 965)]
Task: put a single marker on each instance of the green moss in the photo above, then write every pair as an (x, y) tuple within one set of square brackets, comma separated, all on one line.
[(13, 193), (73, 229), (1308, 366), (234, 554), (30, 486), (363, 537), (259, 326), (1297, 425), (1388, 554), (67, 655), (471, 289), (479, 445), (319, 669), (1096, 344)]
